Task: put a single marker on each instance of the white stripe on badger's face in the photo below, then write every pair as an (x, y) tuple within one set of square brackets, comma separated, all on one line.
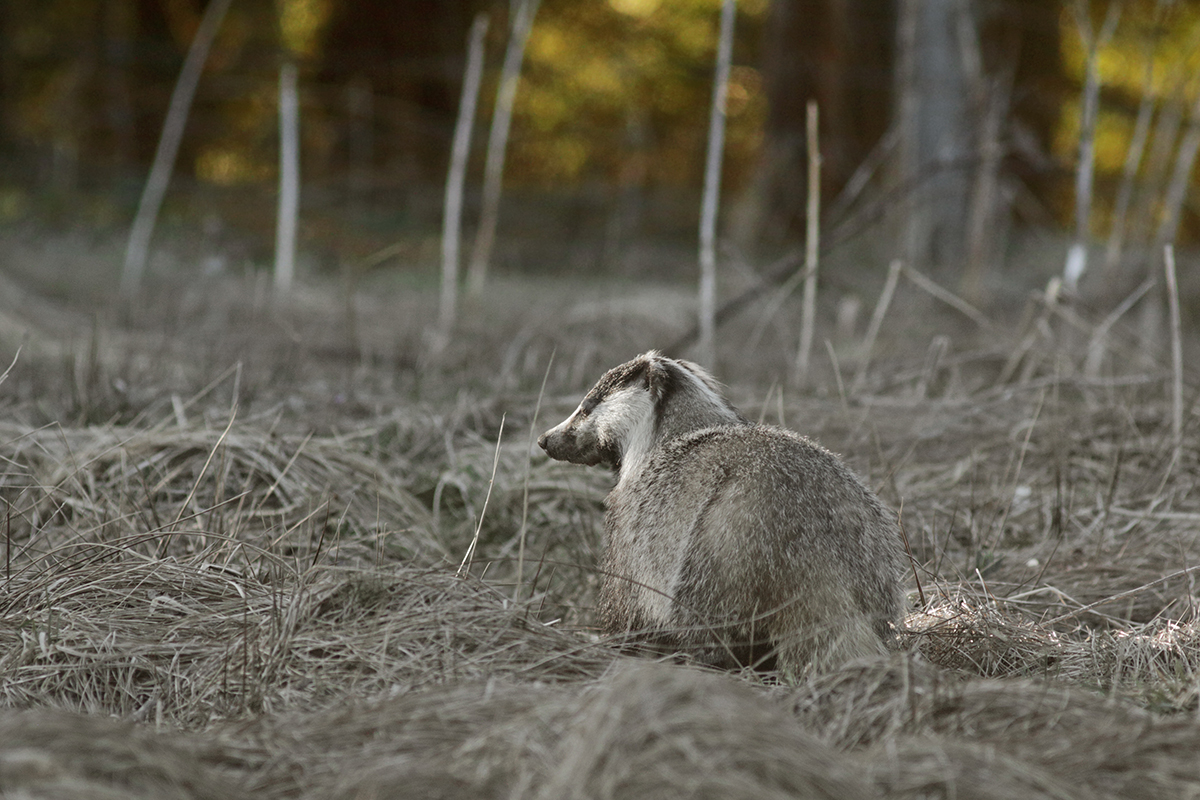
[(626, 418), (617, 431)]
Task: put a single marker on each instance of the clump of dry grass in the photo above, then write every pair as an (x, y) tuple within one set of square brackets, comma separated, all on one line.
[(183, 489), (665, 732), (643, 730), (187, 642), (407, 487), (915, 722), (1156, 664)]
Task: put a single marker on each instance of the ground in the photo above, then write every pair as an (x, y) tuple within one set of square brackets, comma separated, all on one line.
[(289, 548)]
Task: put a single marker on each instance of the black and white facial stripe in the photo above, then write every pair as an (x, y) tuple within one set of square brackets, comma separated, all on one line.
[(633, 406)]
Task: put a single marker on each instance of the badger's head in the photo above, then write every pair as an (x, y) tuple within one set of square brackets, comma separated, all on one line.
[(636, 406)]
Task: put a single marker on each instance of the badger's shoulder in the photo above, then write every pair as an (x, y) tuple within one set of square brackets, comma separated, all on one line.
[(752, 453), (754, 440)]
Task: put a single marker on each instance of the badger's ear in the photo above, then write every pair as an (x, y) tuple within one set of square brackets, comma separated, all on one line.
[(660, 377)]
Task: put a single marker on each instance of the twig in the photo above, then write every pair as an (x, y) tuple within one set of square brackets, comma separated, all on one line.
[(837, 376), (785, 267), (912, 559), (949, 298), (282, 473), (204, 469), (772, 308), (854, 187), (196, 485), (712, 188), (1096, 349), (465, 566), (811, 244), (938, 346), (16, 355), (981, 216), (525, 492), (1020, 464), (783, 270), (1122, 595), (881, 307), (213, 384)]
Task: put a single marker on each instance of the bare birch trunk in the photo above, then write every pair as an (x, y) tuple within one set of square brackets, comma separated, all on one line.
[(1133, 160), (457, 174), (1185, 160), (493, 171), (289, 180), (811, 248), (910, 217), (1176, 356), (706, 350), (1076, 263), (936, 57), (1156, 170), (138, 248)]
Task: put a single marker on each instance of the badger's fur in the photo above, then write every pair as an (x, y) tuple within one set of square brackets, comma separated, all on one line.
[(741, 544)]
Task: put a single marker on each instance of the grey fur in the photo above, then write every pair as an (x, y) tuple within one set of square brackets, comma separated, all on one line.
[(735, 542)]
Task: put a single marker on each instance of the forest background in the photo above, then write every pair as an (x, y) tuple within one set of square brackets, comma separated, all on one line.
[(967, 117)]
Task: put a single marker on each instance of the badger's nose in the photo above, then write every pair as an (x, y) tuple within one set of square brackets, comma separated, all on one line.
[(542, 440)]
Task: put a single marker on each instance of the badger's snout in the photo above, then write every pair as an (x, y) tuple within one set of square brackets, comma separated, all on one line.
[(557, 443), (570, 442)]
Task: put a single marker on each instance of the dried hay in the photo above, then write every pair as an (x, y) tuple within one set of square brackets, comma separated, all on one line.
[(1157, 664)]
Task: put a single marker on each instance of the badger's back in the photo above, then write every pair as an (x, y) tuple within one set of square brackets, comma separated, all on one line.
[(740, 538)]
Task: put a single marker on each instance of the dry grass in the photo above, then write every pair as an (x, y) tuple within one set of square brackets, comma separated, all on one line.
[(230, 531), (189, 642), (52, 755), (922, 725), (640, 730)]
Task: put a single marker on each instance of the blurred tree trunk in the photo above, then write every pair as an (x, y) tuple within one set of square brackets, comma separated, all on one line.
[(405, 54), (119, 32), (930, 71), (839, 53), (7, 77), (938, 76)]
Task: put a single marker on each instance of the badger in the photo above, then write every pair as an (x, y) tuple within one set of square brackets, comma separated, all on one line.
[(733, 543)]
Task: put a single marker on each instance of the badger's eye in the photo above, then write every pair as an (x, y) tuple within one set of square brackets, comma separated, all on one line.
[(588, 405)]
